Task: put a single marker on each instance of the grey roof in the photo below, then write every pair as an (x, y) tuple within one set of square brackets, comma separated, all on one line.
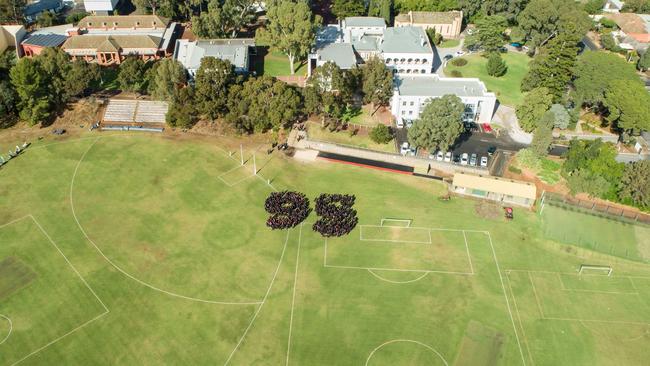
[(433, 86), (233, 50), (364, 22), (61, 29), (341, 54), (366, 43), (45, 40), (406, 40), (42, 5), (328, 34), (646, 19)]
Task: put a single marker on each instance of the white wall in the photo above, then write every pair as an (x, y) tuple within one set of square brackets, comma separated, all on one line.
[(400, 62), (100, 5), (406, 108)]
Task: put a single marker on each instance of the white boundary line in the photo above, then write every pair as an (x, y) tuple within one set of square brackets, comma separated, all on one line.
[(293, 298), (74, 214), (564, 288), (11, 328), (394, 241), (521, 324), (106, 310), (397, 282), (469, 258), (407, 341), (261, 305)]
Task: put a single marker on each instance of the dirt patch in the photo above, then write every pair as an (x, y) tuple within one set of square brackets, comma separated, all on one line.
[(14, 275), (82, 113), (488, 210)]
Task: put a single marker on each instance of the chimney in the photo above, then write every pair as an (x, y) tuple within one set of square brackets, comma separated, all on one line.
[(422, 41)]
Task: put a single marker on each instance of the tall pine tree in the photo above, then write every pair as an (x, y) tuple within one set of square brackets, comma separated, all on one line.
[(381, 8)]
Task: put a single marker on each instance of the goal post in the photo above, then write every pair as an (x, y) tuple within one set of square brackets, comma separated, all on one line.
[(586, 269), (388, 221)]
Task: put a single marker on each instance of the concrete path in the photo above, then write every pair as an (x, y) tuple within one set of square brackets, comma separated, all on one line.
[(506, 117)]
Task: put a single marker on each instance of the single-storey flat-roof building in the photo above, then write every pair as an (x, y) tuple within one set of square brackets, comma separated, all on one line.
[(497, 189), (448, 24), (35, 8), (413, 92), (237, 51), (108, 40), (11, 36), (613, 6)]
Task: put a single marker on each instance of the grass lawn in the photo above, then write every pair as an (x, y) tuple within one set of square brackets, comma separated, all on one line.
[(316, 132), (364, 117), (277, 64), (449, 43), (506, 87), (151, 249), (109, 78)]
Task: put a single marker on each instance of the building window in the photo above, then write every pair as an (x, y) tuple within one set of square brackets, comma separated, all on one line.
[(410, 113), (412, 104), (417, 60), (402, 60), (404, 103), (388, 60), (424, 71), (424, 60)]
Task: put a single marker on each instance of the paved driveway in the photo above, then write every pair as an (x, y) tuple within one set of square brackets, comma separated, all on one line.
[(438, 62)]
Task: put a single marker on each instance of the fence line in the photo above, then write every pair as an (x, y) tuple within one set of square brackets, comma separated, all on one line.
[(596, 208)]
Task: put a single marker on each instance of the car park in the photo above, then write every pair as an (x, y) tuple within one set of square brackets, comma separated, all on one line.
[(448, 157), (464, 159), (440, 155), (472, 160), (404, 149), (484, 161)]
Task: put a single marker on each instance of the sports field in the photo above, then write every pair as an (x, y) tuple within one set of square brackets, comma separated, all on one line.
[(152, 249)]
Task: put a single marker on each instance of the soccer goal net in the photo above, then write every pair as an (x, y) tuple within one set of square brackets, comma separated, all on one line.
[(587, 269), (396, 222)]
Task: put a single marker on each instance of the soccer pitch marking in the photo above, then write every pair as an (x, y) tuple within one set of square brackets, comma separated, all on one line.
[(425, 271), (393, 240), (397, 282), (106, 310), (11, 328), (293, 297), (407, 341), (83, 231)]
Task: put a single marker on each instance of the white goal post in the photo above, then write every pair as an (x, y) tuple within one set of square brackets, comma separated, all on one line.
[(599, 268), (395, 222)]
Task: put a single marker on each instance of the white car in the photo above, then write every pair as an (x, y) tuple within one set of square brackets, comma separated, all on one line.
[(404, 149), (464, 159), (459, 53), (400, 123), (440, 155), (484, 161), (448, 157)]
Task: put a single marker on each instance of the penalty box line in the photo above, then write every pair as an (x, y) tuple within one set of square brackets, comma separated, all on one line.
[(106, 310)]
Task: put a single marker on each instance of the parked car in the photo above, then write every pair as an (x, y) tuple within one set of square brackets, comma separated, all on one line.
[(503, 49), (404, 149), (464, 159), (400, 123), (440, 155), (459, 53), (413, 151), (448, 57), (486, 127), (472, 160), (456, 159), (448, 157), (516, 44), (491, 150), (484, 161)]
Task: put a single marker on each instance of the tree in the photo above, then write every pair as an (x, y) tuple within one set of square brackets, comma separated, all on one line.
[(403, 6), (628, 105), (348, 8), (377, 82), (11, 11), (46, 19), (165, 77), (439, 124), (591, 167), (543, 136), (182, 110), (327, 77), (496, 66), (608, 43), (224, 18), (635, 184), (554, 66), (594, 6), (644, 61), (131, 75), (382, 9), (542, 20), (8, 100), (381, 134), (212, 81), (595, 71), (80, 77), (637, 6), (435, 38), (290, 29), (561, 117), (489, 35), (30, 83), (535, 104)]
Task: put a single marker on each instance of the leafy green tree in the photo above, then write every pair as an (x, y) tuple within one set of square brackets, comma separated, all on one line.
[(644, 61), (542, 20), (377, 82), (8, 100), (224, 18), (595, 71), (637, 6), (554, 66), (635, 184), (489, 35), (435, 38), (535, 104), (439, 125), (182, 110), (348, 8), (582, 180), (212, 80), (74, 18), (290, 28), (543, 135), (591, 167), (327, 77), (594, 6), (46, 19), (11, 11), (80, 77), (165, 77), (403, 6), (312, 102), (382, 9), (131, 75), (608, 43), (381, 134), (628, 105), (30, 82), (263, 103), (561, 117), (496, 66)]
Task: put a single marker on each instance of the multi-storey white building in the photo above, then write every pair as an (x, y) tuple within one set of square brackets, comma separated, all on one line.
[(100, 7), (413, 92), (405, 50)]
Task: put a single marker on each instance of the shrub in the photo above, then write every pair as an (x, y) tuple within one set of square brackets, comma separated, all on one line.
[(381, 134), (607, 23), (514, 169), (456, 74), (496, 66), (527, 158), (608, 42), (460, 62)]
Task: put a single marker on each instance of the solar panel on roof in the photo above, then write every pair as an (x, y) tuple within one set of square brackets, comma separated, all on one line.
[(45, 40)]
